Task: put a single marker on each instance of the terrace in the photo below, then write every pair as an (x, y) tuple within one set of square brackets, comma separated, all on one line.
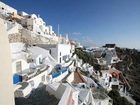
[(30, 73)]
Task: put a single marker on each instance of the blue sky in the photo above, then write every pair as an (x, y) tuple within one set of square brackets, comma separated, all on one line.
[(92, 22)]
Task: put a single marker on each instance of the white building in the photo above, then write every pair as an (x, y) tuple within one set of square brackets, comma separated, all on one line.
[(22, 13), (21, 58), (5, 9), (64, 92), (28, 25), (32, 22), (60, 52), (31, 79), (111, 56), (36, 24), (19, 61), (26, 77), (112, 79)]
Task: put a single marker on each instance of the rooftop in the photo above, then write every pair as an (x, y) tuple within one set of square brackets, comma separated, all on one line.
[(78, 78)]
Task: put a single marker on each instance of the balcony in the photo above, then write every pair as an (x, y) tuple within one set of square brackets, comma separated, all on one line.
[(30, 73)]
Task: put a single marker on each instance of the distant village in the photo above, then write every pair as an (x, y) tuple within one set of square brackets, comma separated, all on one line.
[(41, 56)]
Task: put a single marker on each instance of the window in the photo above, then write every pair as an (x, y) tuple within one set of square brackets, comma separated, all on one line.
[(43, 78), (29, 60), (60, 53), (29, 16), (60, 60), (50, 51), (68, 56), (115, 87), (47, 78), (40, 61), (18, 66)]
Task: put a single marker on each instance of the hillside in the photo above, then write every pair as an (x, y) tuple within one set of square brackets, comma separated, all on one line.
[(86, 57), (130, 66)]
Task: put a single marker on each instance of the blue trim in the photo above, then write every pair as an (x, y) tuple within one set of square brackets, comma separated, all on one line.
[(17, 78), (63, 70), (54, 75)]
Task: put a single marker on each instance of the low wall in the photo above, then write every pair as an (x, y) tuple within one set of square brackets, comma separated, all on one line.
[(65, 97), (60, 76)]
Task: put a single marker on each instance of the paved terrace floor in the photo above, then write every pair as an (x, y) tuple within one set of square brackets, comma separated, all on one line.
[(38, 96)]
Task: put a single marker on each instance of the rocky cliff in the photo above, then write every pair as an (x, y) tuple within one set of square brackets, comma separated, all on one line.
[(130, 66)]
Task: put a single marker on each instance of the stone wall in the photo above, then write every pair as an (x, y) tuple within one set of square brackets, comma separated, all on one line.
[(30, 39)]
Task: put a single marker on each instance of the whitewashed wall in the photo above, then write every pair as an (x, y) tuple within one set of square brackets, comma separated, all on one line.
[(37, 59), (6, 89), (7, 8), (65, 97), (16, 47), (54, 53), (65, 51), (24, 65), (70, 77), (38, 79)]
